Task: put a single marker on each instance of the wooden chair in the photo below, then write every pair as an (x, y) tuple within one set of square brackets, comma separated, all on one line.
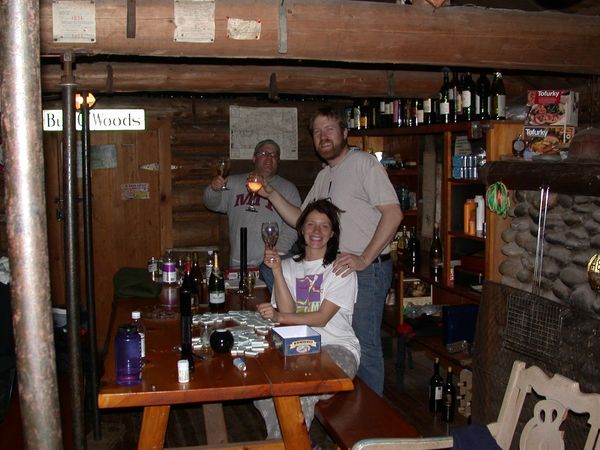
[(541, 431)]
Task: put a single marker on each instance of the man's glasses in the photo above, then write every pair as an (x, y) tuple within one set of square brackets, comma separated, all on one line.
[(266, 154)]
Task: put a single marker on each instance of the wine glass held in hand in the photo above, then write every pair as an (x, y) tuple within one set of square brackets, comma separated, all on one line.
[(270, 234), (223, 166), (254, 183)]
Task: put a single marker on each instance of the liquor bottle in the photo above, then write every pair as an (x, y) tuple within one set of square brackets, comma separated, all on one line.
[(364, 115), (436, 385), (448, 398), (179, 267), (414, 248), (402, 240), (498, 95), (436, 254), (169, 291), (356, 115), (411, 112), (136, 321), (444, 97), (388, 120), (468, 98), (185, 309), (216, 286), (482, 99)]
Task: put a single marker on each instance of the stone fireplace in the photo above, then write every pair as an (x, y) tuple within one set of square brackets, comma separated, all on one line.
[(556, 327), (571, 238)]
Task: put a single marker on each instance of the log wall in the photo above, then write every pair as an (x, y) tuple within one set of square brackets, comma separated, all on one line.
[(197, 140)]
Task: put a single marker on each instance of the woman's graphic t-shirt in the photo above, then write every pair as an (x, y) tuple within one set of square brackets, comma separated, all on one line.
[(310, 283)]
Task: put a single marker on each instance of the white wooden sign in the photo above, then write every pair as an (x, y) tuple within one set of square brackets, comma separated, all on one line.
[(100, 120)]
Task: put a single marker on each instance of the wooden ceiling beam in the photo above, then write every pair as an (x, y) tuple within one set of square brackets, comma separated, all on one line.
[(117, 77), (348, 31)]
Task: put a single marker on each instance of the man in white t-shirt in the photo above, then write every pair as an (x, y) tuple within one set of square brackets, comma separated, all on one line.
[(358, 184)]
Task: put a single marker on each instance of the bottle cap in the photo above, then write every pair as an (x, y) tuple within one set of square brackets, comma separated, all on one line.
[(240, 364), (135, 315)]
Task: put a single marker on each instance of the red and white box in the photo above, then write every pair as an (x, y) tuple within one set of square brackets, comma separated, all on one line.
[(552, 107)]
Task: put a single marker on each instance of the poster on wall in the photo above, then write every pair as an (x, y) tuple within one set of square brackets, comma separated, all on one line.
[(249, 125)]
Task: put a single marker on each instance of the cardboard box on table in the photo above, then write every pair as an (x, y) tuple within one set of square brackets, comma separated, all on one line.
[(296, 340)]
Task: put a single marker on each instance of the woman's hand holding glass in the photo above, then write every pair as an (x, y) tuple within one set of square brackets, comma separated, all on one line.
[(272, 259), (254, 183)]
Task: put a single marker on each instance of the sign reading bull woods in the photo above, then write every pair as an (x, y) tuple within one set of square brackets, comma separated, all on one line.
[(100, 120)]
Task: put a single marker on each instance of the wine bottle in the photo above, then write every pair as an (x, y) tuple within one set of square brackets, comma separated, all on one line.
[(428, 116), (197, 278), (216, 286), (468, 98), (444, 104), (482, 99), (448, 398), (455, 101), (435, 254), (498, 95), (185, 309), (436, 385), (414, 248), (420, 111)]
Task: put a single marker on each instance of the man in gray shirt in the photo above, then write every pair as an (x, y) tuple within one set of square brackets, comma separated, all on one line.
[(236, 199)]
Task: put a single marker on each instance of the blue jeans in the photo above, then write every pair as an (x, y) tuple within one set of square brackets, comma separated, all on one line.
[(373, 285), (266, 274)]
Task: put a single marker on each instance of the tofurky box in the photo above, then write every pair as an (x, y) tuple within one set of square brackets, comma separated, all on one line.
[(552, 107), (548, 140), (296, 340)]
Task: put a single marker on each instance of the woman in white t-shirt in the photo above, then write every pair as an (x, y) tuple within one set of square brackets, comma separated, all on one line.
[(306, 291)]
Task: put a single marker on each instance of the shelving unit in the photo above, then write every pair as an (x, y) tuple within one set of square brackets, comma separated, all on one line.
[(496, 137)]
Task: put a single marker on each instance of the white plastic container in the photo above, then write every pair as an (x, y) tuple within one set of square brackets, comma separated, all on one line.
[(480, 213)]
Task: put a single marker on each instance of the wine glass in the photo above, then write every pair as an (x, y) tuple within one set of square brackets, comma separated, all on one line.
[(270, 234), (223, 166), (254, 184)]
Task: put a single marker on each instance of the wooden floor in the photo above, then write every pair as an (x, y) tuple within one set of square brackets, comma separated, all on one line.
[(120, 428)]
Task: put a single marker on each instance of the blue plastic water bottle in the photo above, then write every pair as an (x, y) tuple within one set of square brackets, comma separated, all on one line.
[(128, 355)]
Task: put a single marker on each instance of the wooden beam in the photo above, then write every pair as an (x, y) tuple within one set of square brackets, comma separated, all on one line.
[(351, 31), (252, 79)]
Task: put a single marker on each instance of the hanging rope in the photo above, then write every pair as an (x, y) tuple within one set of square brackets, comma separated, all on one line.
[(498, 199)]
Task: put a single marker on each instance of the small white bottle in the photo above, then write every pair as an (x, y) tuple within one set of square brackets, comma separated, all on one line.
[(480, 214)]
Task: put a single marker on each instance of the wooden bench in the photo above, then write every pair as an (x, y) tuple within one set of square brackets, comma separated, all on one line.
[(351, 416)]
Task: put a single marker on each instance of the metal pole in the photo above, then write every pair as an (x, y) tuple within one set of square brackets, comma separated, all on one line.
[(20, 93), (72, 251), (89, 260)]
